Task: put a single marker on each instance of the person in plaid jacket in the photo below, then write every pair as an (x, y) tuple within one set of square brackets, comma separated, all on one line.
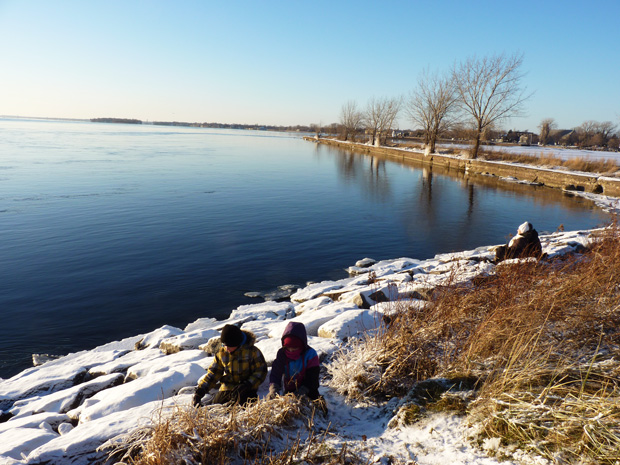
[(239, 367)]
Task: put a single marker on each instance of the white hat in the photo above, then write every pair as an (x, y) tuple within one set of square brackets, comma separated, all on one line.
[(525, 227)]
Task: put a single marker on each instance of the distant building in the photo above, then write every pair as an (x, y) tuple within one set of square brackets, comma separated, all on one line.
[(519, 137)]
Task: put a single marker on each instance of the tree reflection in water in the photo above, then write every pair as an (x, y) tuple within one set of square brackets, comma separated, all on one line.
[(447, 209)]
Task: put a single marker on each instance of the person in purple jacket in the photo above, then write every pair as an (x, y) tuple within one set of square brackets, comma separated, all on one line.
[(296, 367)]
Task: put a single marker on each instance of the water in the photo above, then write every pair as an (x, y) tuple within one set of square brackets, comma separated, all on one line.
[(108, 231)]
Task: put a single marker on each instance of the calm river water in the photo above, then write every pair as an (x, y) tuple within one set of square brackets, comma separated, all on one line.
[(108, 231)]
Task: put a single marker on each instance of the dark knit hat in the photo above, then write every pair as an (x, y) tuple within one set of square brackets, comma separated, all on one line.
[(232, 336)]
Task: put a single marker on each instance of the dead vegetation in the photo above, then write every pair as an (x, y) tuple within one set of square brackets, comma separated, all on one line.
[(251, 435), (542, 340), (606, 166), (547, 160)]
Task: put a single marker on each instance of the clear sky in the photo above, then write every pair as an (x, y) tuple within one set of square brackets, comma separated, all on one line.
[(292, 62)]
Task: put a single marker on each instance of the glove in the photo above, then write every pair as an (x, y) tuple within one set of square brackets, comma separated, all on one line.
[(198, 395), (274, 391)]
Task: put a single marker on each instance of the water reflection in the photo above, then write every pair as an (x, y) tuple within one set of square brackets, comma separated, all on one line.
[(369, 172), (447, 209)]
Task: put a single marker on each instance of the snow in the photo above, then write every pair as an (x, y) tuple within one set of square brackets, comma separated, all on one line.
[(564, 153), (351, 324), (65, 409)]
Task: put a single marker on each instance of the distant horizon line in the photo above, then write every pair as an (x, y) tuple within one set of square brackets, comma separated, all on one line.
[(196, 123), (57, 118)]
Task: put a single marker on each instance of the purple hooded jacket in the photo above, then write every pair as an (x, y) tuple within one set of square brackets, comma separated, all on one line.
[(297, 376)]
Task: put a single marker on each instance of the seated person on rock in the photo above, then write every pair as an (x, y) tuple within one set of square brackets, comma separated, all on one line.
[(525, 244), (296, 367), (239, 366)]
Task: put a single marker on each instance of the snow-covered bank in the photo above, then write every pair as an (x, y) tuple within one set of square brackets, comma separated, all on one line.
[(65, 410)]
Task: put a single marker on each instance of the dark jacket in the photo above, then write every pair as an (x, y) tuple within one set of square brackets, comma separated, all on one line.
[(525, 245), (297, 376), (244, 365)]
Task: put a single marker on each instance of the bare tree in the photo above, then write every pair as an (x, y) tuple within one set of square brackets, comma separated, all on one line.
[(351, 119), (546, 126), (592, 133), (606, 129), (431, 105), (379, 117), (586, 132), (489, 90)]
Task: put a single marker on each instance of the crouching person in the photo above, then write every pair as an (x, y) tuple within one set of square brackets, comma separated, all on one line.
[(296, 367), (239, 366), (525, 244)]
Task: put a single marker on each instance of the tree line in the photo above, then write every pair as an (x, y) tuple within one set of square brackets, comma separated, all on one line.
[(468, 101)]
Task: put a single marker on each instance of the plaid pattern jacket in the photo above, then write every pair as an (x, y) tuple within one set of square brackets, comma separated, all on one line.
[(244, 364)]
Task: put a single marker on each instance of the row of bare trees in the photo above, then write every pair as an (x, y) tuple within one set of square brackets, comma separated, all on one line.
[(377, 118), (590, 134), (481, 91)]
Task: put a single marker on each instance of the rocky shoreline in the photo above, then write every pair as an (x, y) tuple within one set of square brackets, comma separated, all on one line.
[(70, 410)]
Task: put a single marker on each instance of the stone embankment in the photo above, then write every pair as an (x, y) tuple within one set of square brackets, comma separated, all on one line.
[(555, 178)]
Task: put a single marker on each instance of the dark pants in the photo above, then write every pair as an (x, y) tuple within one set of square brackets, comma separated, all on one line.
[(235, 397)]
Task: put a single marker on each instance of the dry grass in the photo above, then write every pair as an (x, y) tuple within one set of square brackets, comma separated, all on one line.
[(281, 431), (542, 339), (606, 166)]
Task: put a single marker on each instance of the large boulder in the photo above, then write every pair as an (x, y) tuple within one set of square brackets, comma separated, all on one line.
[(188, 340), (353, 323)]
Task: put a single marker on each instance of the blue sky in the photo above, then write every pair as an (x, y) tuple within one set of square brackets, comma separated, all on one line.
[(292, 62)]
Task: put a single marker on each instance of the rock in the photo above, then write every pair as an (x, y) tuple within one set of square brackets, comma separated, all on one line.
[(185, 341), (212, 346), (282, 293), (154, 338), (313, 291), (138, 392), (64, 428), (53, 376), (123, 363), (263, 311), (18, 442), (253, 295), (312, 320), (40, 359), (65, 400), (260, 328), (80, 445), (360, 299), (352, 323), (168, 362), (202, 323), (313, 304), (365, 262)]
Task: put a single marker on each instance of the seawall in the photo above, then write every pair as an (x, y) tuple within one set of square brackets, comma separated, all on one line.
[(557, 179)]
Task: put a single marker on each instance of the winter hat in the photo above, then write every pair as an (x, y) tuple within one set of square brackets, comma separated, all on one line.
[(232, 336), (292, 342), (525, 227)]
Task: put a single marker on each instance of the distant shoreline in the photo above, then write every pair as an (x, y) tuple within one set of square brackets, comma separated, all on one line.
[(256, 127)]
